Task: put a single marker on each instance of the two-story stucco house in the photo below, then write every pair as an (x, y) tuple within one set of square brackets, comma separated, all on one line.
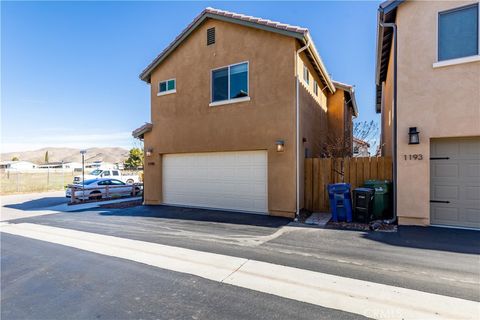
[(237, 103), (428, 93)]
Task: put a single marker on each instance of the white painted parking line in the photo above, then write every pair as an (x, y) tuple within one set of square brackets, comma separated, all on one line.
[(351, 295)]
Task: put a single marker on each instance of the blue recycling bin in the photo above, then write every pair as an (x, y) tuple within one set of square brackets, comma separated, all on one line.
[(340, 201)]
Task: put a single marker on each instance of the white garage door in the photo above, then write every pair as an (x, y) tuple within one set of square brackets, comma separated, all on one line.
[(455, 182), (222, 180)]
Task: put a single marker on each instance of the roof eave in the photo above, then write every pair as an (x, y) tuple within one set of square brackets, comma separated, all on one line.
[(318, 60)]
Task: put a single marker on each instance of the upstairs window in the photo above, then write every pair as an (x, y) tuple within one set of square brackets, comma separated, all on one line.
[(315, 87), (230, 82), (306, 75), (210, 36), (458, 33), (167, 86)]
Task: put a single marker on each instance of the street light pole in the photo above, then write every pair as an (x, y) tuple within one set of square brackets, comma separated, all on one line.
[(83, 171)]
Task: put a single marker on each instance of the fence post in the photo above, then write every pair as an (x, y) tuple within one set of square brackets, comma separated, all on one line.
[(72, 194)]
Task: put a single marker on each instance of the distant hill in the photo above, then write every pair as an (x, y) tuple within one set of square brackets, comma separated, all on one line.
[(112, 155)]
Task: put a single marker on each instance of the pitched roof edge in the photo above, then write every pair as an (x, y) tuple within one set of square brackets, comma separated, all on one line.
[(351, 90), (299, 33), (139, 132), (319, 61), (249, 21)]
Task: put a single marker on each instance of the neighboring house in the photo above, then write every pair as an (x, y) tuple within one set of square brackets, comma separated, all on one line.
[(428, 81), (100, 164), (237, 103), (60, 165), (342, 108), (360, 148), (17, 165)]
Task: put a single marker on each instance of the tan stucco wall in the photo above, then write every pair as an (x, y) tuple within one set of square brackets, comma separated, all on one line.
[(386, 140), (440, 102), (184, 122), (313, 118)]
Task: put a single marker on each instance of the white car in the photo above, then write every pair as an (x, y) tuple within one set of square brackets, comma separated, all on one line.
[(96, 189), (108, 173)]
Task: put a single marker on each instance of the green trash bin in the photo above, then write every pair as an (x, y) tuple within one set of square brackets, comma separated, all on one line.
[(382, 203)]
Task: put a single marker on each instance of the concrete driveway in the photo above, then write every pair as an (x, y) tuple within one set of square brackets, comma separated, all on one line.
[(29, 205)]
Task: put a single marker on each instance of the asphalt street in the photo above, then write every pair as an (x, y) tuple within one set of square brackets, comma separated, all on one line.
[(46, 281), (435, 260), (42, 280)]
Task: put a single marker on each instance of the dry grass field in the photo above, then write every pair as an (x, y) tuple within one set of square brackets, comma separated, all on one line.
[(23, 182)]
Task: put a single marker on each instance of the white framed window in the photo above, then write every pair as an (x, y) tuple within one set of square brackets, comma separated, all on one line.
[(167, 86), (306, 74), (230, 84), (315, 87), (458, 33)]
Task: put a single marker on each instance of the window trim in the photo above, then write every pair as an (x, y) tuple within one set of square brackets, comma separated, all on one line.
[(229, 100), (306, 74), (167, 91), (454, 61), (315, 87)]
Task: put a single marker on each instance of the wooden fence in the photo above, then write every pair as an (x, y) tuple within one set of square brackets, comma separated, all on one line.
[(319, 172)]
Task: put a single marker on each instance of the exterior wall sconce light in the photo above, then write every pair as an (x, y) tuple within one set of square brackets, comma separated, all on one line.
[(149, 152), (280, 145), (413, 136)]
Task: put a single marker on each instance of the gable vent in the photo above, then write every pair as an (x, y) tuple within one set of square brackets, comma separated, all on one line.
[(210, 36)]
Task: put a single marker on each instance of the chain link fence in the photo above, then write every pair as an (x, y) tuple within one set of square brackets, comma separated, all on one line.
[(12, 181), (39, 181)]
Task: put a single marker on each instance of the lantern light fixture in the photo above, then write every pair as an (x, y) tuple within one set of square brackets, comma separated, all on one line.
[(413, 136), (280, 144), (149, 152)]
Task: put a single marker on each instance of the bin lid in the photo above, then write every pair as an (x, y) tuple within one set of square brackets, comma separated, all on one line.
[(380, 186), (363, 189), (339, 188)]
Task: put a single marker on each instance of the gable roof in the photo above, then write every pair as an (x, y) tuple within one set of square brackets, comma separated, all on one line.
[(350, 90), (387, 12), (302, 34)]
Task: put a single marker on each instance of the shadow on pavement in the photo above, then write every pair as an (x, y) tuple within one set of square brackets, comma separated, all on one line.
[(195, 214), (430, 238), (37, 204)]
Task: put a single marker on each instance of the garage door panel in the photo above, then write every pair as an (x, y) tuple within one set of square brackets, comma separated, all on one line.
[(473, 215), (224, 180), (446, 170), (471, 170), (447, 192), (455, 182)]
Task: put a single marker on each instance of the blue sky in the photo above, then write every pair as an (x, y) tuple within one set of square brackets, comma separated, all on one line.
[(69, 70)]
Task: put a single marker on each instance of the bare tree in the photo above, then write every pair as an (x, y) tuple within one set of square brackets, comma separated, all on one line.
[(367, 131)]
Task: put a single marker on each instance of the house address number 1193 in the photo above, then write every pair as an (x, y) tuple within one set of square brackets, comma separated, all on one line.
[(416, 156)]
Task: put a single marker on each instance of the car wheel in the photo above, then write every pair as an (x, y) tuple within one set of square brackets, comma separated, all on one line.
[(95, 195), (130, 181)]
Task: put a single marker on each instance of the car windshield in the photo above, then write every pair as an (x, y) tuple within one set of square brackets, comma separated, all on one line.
[(96, 172)]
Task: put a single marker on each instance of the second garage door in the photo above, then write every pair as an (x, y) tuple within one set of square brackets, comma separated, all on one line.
[(455, 182), (222, 180)]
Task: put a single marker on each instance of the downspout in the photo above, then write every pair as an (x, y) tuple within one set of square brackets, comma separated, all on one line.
[(394, 133), (297, 120)]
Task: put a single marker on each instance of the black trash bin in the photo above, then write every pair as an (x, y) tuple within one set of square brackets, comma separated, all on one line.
[(363, 204)]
